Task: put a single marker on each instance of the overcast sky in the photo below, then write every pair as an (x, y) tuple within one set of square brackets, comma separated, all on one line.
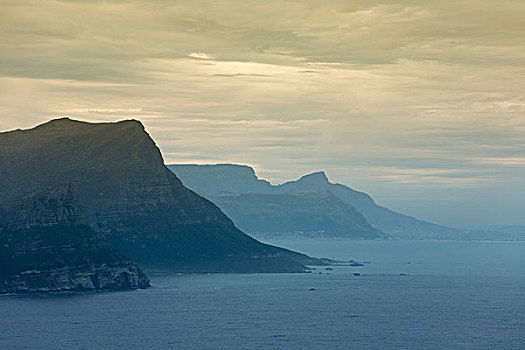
[(419, 103)]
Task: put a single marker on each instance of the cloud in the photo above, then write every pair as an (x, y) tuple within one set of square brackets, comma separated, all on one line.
[(505, 161), (369, 91), (436, 177), (201, 55)]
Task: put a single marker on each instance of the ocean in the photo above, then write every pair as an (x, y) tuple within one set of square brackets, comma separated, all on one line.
[(408, 295)]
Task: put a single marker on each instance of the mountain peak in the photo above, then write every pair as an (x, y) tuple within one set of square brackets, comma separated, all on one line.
[(66, 122), (317, 177), (216, 178), (62, 121)]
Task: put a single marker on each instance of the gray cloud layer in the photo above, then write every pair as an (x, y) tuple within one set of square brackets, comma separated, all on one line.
[(419, 103)]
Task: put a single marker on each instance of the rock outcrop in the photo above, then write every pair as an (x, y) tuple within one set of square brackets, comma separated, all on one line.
[(46, 245)]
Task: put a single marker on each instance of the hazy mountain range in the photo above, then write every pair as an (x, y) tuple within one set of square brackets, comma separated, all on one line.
[(251, 202)]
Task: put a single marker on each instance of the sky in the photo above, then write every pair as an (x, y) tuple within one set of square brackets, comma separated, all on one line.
[(419, 103)]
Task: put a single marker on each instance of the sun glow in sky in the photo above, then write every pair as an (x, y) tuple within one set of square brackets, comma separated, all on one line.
[(419, 103)]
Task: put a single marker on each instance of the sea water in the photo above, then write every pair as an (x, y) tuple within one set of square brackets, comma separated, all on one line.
[(408, 295)]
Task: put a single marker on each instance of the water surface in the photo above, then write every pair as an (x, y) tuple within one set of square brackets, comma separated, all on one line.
[(422, 295)]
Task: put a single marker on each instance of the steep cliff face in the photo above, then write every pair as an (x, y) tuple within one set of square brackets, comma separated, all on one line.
[(132, 198), (45, 246)]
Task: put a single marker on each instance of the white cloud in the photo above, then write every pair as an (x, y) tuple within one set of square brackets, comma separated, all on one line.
[(201, 55), (504, 161)]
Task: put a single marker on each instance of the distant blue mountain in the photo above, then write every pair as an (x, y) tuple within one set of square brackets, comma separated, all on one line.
[(389, 221), (263, 210), (214, 179), (219, 182)]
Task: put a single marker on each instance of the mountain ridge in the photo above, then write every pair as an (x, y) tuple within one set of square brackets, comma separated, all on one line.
[(395, 224)]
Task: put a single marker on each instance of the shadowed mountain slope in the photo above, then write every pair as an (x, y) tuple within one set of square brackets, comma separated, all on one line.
[(130, 196), (303, 214)]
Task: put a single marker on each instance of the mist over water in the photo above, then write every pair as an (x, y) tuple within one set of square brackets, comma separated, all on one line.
[(435, 258), (466, 295)]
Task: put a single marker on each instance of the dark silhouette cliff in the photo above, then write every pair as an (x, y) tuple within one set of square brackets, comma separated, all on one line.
[(130, 197)]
